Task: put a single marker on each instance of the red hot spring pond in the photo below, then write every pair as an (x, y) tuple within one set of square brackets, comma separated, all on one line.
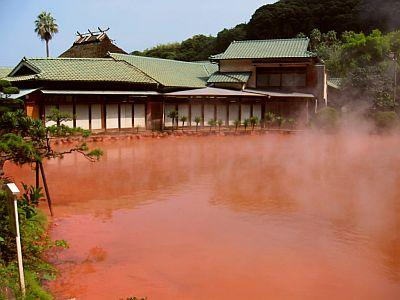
[(251, 217)]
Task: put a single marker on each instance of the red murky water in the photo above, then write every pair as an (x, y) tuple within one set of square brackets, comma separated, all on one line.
[(251, 217)]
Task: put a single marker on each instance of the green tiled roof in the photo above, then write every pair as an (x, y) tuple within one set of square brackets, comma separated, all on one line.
[(171, 73), (231, 77), (335, 82), (258, 49), (81, 69), (4, 71)]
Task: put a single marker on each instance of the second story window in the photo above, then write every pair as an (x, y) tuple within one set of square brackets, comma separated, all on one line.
[(281, 78)]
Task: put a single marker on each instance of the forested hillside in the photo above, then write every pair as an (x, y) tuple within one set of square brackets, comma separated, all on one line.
[(287, 18)]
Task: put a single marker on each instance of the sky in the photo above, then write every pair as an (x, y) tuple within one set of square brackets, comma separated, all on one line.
[(134, 24)]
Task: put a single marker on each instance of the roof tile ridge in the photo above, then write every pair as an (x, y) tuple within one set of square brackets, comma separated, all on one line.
[(268, 40), (158, 58), (133, 66)]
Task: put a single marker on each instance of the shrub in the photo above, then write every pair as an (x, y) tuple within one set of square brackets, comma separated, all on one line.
[(4, 83), (386, 120), (326, 119), (10, 90), (269, 118)]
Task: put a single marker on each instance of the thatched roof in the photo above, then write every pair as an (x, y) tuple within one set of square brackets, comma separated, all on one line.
[(92, 46)]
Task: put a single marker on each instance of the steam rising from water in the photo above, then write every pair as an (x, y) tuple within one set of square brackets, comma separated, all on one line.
[(273, 216)]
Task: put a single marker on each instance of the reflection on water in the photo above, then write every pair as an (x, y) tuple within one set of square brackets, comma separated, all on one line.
[(255, 217)]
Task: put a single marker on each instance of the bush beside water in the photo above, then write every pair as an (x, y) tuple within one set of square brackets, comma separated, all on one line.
[(326, 119), (386, 120), (35, 242)]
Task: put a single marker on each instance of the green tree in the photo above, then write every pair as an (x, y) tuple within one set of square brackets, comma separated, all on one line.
[(197, 120), (46, 27), (24, 140)]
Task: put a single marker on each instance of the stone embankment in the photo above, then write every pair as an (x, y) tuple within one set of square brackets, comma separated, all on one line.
[(129, 135)]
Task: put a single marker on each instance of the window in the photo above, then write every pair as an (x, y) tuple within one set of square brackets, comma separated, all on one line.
[(281, 77), (293, 80)]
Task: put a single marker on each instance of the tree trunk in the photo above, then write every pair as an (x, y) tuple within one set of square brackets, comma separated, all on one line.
[(47, 48), (46, 188)]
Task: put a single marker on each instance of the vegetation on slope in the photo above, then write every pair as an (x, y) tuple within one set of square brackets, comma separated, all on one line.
[(286, 19)]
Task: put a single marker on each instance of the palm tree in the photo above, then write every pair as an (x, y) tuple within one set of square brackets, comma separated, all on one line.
[(280, 121), (212, 123), (173, 114), (246, 123), (183, 119), (197, 120), (270, 118), (237, 124), (253, 122), (220, 123), (46, 27)]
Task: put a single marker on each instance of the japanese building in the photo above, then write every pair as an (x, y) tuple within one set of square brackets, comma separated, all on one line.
[(121, 91)]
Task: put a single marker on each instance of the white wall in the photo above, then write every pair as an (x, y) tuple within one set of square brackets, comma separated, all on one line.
[(82, 116), (67, 109), (233, 113), (139, 117), (221, 113), (96, 116), (47, 111), (245, 111), (257, 110), (167, 109), (208, 113), (111, 116), (183, 110), (126, 115), (196, 112)]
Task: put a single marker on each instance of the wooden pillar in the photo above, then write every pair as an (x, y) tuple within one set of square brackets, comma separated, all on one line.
[(74, 111), (90, 116), (190, 114), (119, 116), (262, 113), (226, 113), (202, 113), (240, 109), (103, 116)]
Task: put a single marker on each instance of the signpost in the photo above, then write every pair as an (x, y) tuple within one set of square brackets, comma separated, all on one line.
[(13, 189)]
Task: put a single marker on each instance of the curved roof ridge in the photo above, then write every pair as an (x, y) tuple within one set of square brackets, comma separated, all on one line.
[(157, 58), (267, 40)]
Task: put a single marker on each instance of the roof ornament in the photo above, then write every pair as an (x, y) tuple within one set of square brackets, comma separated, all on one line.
[(100, 31)]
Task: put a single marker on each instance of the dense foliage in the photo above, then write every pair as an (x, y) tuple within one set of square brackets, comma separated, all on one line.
[(35, 242), (294, 16), (286, 19), (367, 65)]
